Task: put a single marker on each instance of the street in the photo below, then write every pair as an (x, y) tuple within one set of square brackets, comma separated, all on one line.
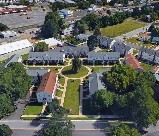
[(30, 128)]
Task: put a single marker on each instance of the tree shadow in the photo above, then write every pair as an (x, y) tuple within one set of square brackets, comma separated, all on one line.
[(35, 123), (101, 125)]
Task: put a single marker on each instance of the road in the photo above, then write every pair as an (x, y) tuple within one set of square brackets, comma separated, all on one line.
[(30, 128)]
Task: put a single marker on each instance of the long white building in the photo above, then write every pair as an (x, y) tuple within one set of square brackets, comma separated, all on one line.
[(20, 47)]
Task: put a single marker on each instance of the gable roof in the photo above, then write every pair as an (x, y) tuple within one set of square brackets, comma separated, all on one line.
[(48, 83), (103, 54), (35, 72), (133, 62), (14, 46), (147, 50), (118, 46), (13, 58), (104, 40), (46, 56)]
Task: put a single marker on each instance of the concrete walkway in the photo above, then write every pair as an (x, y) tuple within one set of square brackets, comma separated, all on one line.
[(43, 109)]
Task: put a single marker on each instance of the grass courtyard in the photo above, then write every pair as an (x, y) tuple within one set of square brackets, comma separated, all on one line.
[(72, 96), (32, 109), (67, 71), (119, 29), (147, 67)]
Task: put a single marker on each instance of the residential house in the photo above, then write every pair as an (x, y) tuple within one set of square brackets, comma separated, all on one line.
[(122, 48), (46, 57), (19, 47), (36, 74), (147, 54), (144, 36), (82, 37), (13, 58), (155, 71), (71, 52), (65, 13), (95, 81), (103, 57), (105, 42), (47, 89), (133, 62)]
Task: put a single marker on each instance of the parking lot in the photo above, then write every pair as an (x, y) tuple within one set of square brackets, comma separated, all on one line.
[(37, 16)]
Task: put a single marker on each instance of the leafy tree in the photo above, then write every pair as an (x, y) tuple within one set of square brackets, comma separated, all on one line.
[(3, 27), (102, 99), (92, 42), (56, 110), (76, 65), (97, 32), (124, 130), (58, 128), (154, 16), (6, 106), (5, 130), (80, 27), (41, 46), (120, 78), (49, 29), (83, 4)]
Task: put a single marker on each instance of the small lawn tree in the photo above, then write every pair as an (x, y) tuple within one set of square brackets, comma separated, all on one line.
[(76, 65)]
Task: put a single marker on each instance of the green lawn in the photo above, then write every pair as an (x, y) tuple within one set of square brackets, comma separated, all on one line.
[(32, 109), (67, 71), (54, 69), (25, 57), (59, 93), (72, 96), (96, 69), (134, 40), (104, 50), (147, 67), (61, 80), (135, 51), (119, 29)]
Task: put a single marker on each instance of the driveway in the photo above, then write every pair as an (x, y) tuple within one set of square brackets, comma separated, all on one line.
[(17, 113)]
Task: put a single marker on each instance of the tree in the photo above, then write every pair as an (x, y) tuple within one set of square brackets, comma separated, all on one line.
[(5, 130), (6, 105), (102, 99), (3, 27), (56, 110), (41, 46), (124, 130), (97, 31), (154, 16), (121, 78), (58, 128), (83, 4), (76, 65), (92, 42), (80, 27), (50, 29)]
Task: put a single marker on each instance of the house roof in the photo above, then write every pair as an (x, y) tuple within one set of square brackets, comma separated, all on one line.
[(14, 46), (133, 62), (104, 40), (46, 56), (95, 81), (72, 50), (13, 58), (103, 54), (48, 83), (118, 46), (82, 36), (147, 50), (35, 72)]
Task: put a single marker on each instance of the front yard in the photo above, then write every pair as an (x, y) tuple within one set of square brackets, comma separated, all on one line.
[(72, 96), (32, 109), (119, 29), (53, 69), (134, 40), (67, 71), (147, 67)]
